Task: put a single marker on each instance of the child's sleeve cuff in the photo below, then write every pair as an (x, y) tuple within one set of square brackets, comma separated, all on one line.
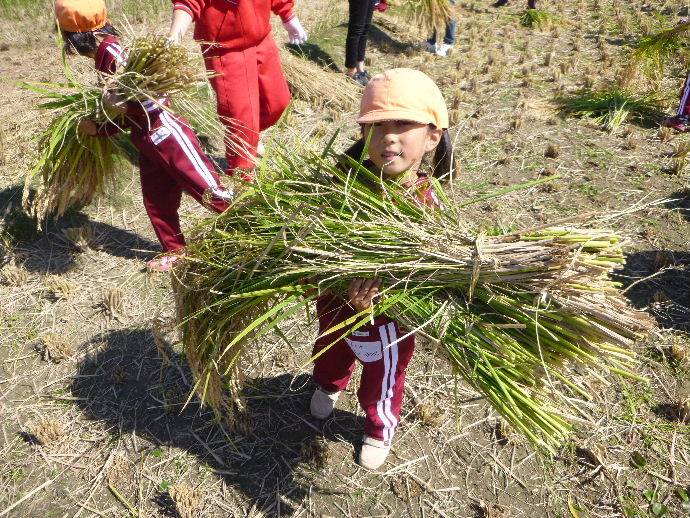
[(178, 6)]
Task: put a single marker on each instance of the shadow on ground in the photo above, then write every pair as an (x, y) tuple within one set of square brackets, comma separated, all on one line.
[(314, 53), (127, 385), (50, 250), (658, 281)]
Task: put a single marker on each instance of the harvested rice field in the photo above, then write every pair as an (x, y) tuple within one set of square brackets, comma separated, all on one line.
[(98, 413)]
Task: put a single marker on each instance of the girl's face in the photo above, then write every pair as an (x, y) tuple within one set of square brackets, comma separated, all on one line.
[(399, 146)]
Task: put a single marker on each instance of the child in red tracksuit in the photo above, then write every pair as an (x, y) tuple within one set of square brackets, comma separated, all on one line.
[(170, 157), (403, 116), (238, 48)]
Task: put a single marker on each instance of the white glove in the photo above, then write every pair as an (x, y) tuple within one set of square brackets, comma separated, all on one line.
[(296, 33)]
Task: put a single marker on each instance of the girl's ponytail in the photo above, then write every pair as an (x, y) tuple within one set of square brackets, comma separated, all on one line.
[(442, 162)]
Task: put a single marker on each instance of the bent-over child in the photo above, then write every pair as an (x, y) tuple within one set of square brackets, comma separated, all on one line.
[(170, 157)]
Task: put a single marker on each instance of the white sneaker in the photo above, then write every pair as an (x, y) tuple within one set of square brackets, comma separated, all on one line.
[(373, 453), (430, 47), (442, 49), (323, 403)]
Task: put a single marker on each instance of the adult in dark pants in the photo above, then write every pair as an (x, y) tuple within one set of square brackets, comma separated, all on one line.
[(531, 4), (358, 25)]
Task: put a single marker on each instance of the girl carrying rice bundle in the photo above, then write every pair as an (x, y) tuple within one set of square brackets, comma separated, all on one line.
[(386, 256)]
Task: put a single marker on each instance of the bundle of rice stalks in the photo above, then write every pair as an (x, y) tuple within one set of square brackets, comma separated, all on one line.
[(539, 19), (432, 15), (156, 69), (72, 168), (655, 50), (612, 107), (513, 314), (319, 87)]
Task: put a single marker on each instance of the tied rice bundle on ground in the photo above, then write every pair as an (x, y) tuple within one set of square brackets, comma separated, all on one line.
[(512, 314), (73, 168), (318, 86)]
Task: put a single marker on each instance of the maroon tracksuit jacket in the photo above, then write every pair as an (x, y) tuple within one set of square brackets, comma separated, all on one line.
[(383, 348), (170, 158)]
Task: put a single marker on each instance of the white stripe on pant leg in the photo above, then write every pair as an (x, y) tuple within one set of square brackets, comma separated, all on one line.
[(117, 52), (393, 347), (684, 97), (384, 385), (189, 150)]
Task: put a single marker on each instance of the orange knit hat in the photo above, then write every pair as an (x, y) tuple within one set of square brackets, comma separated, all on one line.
[(403, 94), (81, 15)]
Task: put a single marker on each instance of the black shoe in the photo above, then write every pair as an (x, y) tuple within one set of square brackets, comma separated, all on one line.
[(362, 78), (531, 4), (500, 3)]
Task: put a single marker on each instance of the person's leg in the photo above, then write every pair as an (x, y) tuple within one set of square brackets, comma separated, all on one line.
[(333, 368), (274, 94), (451, 28), (362, 45), (531, 4), (162, 198), (179, 149), (236, 85), (383, 382), (355, 29)]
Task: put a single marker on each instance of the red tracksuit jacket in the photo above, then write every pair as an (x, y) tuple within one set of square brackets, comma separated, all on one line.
[(234, 24)]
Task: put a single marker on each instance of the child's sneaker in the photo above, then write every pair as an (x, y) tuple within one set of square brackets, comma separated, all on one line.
[(430, 47), (323, 403), (679, 123), (373, 453), (164, 263), (442, 49)]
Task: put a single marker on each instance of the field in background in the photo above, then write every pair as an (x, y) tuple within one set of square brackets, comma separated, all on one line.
[(93, 384)]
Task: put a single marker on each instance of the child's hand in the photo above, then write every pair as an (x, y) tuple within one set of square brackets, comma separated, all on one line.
[(361, 292), (87, 127), (114, 102)]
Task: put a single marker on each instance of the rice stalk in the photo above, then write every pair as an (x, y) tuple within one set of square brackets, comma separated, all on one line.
[(432, 15), (611, 107), (539, 19), (72, 168), (654, 51), (318, 86), (513, 313)]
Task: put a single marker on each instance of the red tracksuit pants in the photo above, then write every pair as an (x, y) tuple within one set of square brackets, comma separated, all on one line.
[(171, 162), (252, 94), (384, 352)]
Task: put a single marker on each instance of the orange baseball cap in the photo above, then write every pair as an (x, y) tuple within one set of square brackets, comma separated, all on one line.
[(81, 15), (403, 94)]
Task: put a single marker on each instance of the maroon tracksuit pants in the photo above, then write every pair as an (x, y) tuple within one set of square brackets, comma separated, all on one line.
[(684, 105), (252, 94), (384, 352), (171, 162)]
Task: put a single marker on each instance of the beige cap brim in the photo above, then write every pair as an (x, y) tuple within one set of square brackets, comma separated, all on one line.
[(394, 115)]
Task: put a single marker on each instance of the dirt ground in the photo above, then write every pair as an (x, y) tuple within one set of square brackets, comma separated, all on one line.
[(93, 383)]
